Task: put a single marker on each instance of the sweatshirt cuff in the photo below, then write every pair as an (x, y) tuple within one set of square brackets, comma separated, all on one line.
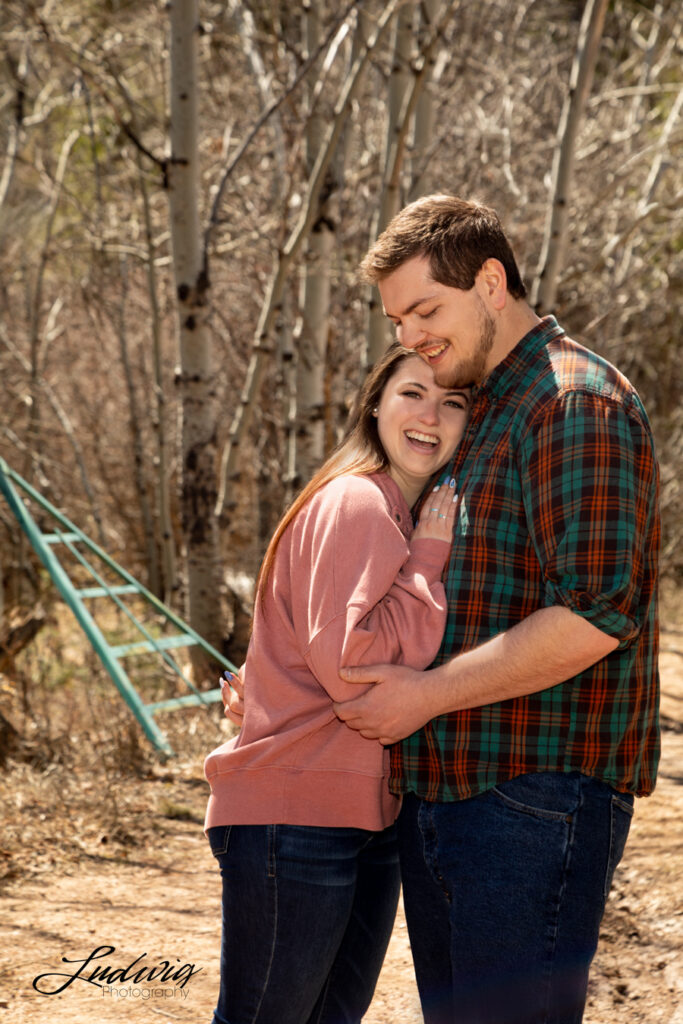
[(430, 553)]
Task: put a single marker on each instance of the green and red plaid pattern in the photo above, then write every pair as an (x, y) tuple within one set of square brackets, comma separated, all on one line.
[(558, 486)]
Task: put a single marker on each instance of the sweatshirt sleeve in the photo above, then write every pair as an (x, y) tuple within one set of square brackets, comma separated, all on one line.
[(373, 597)]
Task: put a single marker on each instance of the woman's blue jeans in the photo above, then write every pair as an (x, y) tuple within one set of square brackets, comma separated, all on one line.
[(307, 917), (504, 894)]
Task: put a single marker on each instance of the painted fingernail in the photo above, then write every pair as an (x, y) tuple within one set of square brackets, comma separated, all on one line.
[(452, 482), (228, 676), (437, 487)]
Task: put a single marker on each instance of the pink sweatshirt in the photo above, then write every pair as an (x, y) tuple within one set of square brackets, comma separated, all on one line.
[(346, 588)]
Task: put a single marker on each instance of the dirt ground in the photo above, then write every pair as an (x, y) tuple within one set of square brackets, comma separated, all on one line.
[(115, 867)]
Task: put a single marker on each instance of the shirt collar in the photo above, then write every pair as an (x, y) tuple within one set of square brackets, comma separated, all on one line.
[(519, 361)]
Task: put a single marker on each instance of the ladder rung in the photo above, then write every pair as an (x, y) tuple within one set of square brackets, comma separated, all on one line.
[(128, 588), (164, 643), (60, 538), (207, 697)]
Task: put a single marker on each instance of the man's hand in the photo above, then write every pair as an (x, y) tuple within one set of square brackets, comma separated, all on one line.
[(549, 646), (385, 713), (232, 694)]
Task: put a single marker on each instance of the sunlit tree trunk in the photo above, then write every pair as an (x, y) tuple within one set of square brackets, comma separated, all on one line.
[(195, 375), (15, 131), (424, 127), (556, 234), (389, 200), (308, 436)]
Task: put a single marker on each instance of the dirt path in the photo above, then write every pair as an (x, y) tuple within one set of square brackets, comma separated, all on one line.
[(150, 891)]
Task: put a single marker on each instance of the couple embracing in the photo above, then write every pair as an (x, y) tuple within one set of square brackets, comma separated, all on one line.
[(452, 677)]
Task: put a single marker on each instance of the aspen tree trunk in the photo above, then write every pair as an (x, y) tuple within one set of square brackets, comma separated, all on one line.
[(15, 131), (152, 554), (262, 346), (169, 581), (194, 377), (308, 436), (389, 200), (554, 246), (423, 132)]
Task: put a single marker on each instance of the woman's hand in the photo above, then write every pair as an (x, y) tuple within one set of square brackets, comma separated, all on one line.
[(438, 514), (232, 694)]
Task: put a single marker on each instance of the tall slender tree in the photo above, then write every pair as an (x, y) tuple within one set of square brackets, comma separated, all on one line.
[(556, 235), (194, 377)]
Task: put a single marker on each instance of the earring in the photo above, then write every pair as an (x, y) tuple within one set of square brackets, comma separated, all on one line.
[(375, 410)]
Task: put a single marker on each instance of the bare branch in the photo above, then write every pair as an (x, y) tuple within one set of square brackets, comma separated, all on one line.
[(265, 116), (261, 344)]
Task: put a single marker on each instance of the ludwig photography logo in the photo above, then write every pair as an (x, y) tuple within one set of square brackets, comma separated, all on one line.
[(137, 980)]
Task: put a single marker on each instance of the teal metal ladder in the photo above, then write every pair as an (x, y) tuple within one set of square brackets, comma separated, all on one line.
[(65, 533)]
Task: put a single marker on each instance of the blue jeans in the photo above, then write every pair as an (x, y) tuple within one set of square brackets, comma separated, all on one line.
[(504, 894), (307, 917)]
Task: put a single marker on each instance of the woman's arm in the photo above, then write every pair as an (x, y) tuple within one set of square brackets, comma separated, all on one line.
[(372, 594)]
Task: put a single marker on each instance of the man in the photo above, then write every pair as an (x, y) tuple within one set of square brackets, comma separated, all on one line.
[(524, 745)]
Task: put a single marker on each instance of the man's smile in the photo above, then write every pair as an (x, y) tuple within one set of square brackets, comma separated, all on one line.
[(432, 350)]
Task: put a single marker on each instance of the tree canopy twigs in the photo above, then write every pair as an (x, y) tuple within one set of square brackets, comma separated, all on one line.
[(230, 168), (261, 347)]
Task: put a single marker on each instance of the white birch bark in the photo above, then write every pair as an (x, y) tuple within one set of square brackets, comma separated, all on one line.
[(389, 199), (555, 239), (307, 405), (194, 378), (423, 129), (15, 130)]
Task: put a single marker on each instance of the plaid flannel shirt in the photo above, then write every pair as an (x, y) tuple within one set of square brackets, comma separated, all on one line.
[(558, 505)]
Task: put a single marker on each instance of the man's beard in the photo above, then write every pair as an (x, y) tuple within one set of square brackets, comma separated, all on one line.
[(472, 371)]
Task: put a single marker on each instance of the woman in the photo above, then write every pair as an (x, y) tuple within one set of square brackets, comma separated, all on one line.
[(300, 816)]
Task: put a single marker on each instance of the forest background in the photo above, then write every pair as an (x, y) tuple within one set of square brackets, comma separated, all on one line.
[(186, 190)]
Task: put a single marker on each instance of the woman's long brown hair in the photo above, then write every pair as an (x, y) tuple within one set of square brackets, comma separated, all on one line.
[(360, 452)]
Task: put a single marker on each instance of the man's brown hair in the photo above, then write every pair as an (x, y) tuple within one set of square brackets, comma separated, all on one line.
[(457, 236)]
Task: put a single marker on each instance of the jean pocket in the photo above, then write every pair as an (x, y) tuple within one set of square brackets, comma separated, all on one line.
[(219, 838), (620, 823), (554, 796)]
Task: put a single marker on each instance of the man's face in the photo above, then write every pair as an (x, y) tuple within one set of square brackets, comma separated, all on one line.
[(451, 329)]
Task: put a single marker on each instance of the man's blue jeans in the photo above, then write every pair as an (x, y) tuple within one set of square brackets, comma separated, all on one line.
[(504, 894), (307, 917)]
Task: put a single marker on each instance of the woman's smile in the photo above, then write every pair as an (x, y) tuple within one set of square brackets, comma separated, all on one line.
[(419, 424)]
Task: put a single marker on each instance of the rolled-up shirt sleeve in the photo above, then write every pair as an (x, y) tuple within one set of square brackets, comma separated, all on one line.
[(589, 474), (374, 597)]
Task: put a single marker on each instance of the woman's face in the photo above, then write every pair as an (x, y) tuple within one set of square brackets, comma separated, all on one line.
[(419, 424)]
